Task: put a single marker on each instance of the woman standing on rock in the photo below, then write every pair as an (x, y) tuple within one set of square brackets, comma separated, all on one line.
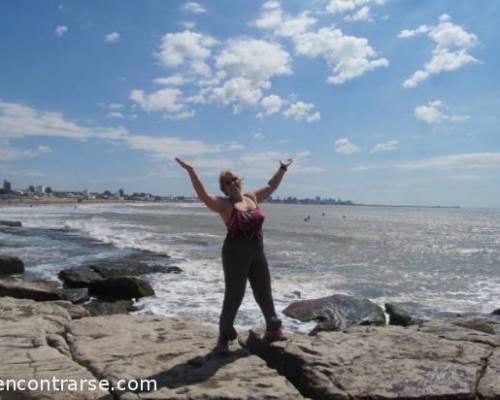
[(243, 250)]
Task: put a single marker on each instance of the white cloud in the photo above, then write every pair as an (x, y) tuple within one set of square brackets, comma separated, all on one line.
[(259, 136), (454, 162), (343, 6), (245, 68), (344, 146), (239, 90), (386, 146), (450, 53), (115, 106), (256, 60), (271, 104), (273, 19), (187, 48), (61, 30), (432, 113), (9, 153), (194, 7), (112, 37), (18, 120), (302, 111), (347, 56), (363, 14), (162, 100), (174, 80)]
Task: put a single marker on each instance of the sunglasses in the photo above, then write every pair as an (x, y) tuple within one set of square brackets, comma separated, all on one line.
[(233, 179)]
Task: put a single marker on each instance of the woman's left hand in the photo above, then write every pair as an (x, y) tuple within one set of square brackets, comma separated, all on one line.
[(286, 162)]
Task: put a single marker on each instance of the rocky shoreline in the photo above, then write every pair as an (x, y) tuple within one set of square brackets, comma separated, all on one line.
[(354, 352)]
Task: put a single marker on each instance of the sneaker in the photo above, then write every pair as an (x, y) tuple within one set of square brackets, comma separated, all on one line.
[(274, 336)]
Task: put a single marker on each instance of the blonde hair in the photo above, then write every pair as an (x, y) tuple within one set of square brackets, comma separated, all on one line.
[(224, 176)]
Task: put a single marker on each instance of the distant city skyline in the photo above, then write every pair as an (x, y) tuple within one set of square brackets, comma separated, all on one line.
[(377, 101)]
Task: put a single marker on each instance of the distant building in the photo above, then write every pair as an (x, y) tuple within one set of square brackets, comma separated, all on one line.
[(7, 186), (39, 189)]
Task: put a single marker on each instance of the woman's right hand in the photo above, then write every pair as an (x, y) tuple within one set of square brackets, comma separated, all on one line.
[(184, 164)]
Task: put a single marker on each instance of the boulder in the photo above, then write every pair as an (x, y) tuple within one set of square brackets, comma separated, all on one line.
[(430, 361), (336, 312), (496, 312), (11, 265), (173, 269), (79, 277), (32, 346), (119, 269), (39, 291), (98, 307), (177, 353), (76, 296), (398, 315), (75, 311), (125, 287), (15, 224)]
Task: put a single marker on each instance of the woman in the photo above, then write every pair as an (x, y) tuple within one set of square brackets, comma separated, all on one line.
[(243, 250)]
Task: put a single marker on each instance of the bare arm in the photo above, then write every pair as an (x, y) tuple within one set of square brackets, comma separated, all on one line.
[(263, 193), (212, 202)]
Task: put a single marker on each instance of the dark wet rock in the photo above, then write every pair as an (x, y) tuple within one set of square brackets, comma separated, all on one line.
[(173, 270), (496, 312), (118, 269), (435, 360), (79, 277), (11, 265), (125, 287), (480, 322), (398, 315), (14, 224), (336, 312), (97, 307), (77, 296), (39, 291)]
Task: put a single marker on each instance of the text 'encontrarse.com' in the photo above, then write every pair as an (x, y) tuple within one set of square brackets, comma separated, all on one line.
[(76, 385)]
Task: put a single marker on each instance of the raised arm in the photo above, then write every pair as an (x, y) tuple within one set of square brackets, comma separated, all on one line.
[(212, 202), (263, 193)]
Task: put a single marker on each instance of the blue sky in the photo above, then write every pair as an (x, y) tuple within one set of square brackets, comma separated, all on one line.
[(390, 102)]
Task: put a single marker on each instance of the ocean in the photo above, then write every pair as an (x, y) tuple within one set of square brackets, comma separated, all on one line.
[(443, 259)]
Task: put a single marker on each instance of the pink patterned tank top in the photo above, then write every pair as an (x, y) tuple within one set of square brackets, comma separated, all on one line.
[(245, 224)]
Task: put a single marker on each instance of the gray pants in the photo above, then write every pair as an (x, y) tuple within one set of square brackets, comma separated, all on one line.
[(244, 259)]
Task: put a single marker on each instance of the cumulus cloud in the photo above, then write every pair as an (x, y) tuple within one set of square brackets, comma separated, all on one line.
[(434, 113), (344, 146), (166, 100), (302, 111), (275, 20), (61, 30), (347, 56), (271, 105), (245, 68), (187, 48), (363, 14), (343, 6), (112, 37), (450, 53), (386, 146), (194, 7)]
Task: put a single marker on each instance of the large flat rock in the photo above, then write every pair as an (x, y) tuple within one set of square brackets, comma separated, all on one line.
[(434, 361), (177, 353), (32, 347)]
